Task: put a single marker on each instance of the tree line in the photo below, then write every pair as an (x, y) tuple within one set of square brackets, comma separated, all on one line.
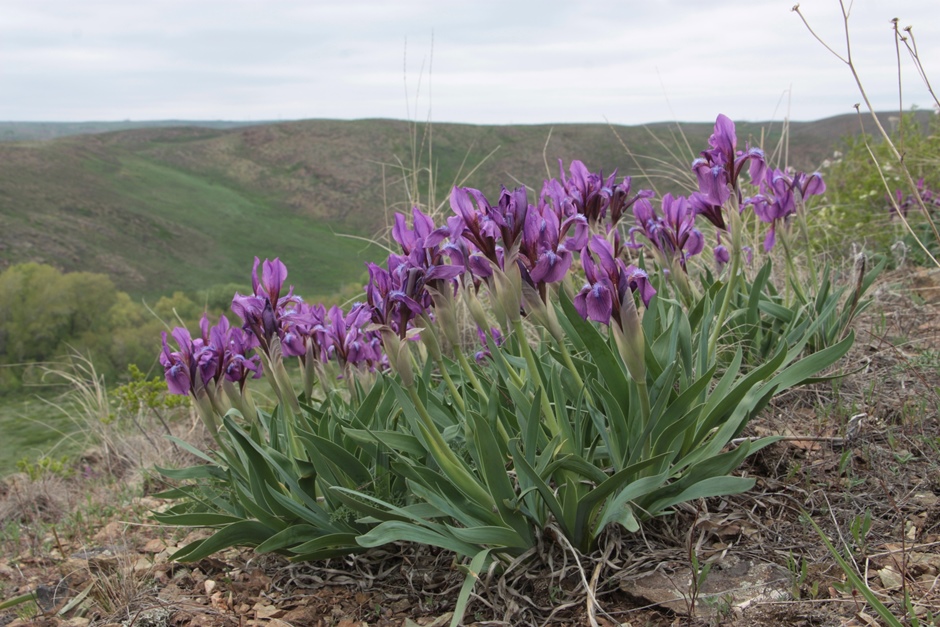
[(46, 314)]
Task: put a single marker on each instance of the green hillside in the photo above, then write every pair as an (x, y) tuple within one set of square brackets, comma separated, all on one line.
[(182, 208)]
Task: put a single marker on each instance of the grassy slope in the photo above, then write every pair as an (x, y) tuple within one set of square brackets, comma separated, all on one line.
[(162, 209), (105, 204), (30, 131), (30, 427)]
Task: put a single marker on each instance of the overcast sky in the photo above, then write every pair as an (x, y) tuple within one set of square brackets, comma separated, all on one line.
[(485, 62)]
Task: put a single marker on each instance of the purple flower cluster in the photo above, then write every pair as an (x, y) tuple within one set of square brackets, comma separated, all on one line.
[(481, 237), (778, 197), (718, 172), (402, 291), (303, 330), (591, 195), (902, 203), (219, 352), (609, 282), (576, 214), (541, 240), (673, 235)]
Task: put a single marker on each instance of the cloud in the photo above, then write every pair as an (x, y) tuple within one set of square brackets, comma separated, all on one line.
[(482, 62)]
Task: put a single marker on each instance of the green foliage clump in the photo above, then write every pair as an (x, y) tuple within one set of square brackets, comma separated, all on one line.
[(863, 176), (41, 309), (45, 466), (46, 315), (580, 416), (141, 392), (555, 441)]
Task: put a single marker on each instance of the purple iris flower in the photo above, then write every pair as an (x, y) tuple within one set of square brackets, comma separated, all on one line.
[(497, 338), (548, 240), (220, 351), (813, 184), (674, 235), (410, 238), (621, 200), (712, 184), (722, 255), (589, 192), (703, 205), (209, 350), (237, 366), (509, 214), (224, 352), (179, 366), (719, 167), (778, 198), (683, 238), (257, 313), (399, 294), (346, 338), (554, 193), (273, 275), (609, 282), (390, 294), (298, 326), (261, 310), (475, 224)]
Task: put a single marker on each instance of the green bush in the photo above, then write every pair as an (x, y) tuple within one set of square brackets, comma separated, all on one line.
[(863, 176)]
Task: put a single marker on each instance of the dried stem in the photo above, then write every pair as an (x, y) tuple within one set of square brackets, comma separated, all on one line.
[(899, 157)]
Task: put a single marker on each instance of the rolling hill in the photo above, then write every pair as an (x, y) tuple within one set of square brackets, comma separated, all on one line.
[(167, 208)]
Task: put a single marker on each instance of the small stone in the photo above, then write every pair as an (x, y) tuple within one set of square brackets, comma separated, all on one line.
[(209, 585), (890, 578), (110, 533), (154, 546), (217, 600), (6, 572), (267, 611), (143, 565)]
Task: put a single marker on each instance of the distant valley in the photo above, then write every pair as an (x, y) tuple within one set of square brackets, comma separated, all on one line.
[(184, 206)]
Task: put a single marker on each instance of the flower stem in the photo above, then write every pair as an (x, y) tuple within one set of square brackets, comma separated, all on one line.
[(468, 372), (645, 412), (791, 269), (735, 220), (534, 373), (810, 258), (450, 464), (458, 399)]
